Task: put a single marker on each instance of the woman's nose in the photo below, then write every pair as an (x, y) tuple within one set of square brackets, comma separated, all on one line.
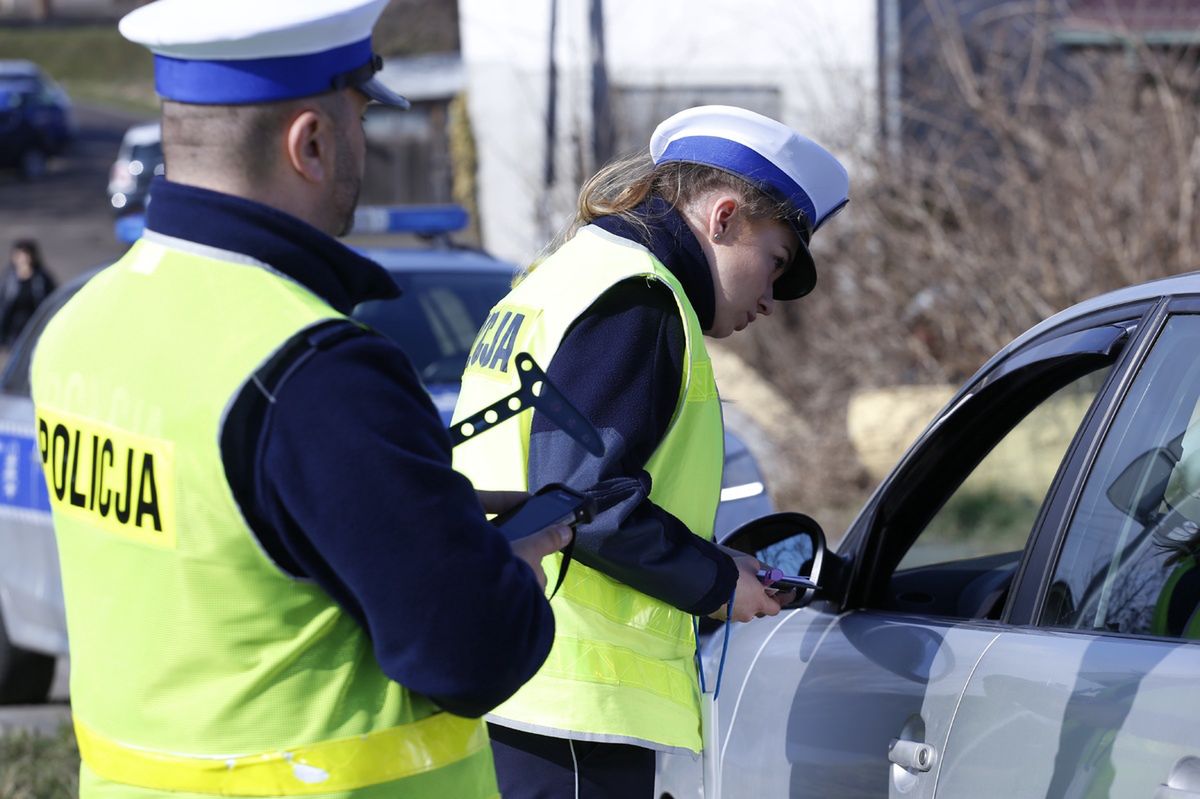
[(766, 304)]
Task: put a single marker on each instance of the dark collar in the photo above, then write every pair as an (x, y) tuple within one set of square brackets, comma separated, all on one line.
[(321, 263), (672, 242)]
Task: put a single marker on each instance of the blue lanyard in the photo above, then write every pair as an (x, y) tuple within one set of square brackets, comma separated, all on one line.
[(724, 650)]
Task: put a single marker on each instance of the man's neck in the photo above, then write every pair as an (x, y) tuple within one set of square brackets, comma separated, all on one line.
[(292, 200)]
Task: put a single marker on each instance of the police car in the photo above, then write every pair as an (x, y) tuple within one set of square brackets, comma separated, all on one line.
[(447, 293)]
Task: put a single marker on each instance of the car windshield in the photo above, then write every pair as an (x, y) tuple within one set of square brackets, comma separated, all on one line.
[(436, 318), (146, 153), (13, 93)]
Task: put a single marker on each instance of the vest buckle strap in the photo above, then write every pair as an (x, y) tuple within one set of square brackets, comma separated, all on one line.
[(325, 767)]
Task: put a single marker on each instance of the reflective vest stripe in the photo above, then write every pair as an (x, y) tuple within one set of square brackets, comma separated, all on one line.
[(337, 765), (601, 662)]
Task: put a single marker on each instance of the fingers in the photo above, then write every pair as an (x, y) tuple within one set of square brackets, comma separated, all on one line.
[(785, 598), (500, 501), (750, 597), (538, 574), (532, 548), (753, 600), (543, 543)]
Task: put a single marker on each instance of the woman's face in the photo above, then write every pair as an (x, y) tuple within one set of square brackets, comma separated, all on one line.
[(747, 256), (22, 263)]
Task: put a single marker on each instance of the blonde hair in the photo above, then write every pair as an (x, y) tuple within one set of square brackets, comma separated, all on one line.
[(624, 184)]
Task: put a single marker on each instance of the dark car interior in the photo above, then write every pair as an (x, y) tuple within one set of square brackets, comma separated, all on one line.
[(436, 318), (974, 587)]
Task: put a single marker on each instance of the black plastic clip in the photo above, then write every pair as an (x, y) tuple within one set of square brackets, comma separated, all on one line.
[(536, 391)]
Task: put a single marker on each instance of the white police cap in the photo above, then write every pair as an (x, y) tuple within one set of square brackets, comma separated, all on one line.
[(232, 52), (770, 156)]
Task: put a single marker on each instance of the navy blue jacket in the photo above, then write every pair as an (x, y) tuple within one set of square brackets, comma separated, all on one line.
[(621, 364), (346, 479)]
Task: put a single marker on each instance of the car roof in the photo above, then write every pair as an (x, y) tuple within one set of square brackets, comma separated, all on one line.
[(439, 259), (19, 68), (149, 133)]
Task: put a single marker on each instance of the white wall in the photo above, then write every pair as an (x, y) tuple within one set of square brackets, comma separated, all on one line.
[(819, 56)]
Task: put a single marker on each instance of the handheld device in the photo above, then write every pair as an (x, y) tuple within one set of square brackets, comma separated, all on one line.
[(775, 578), (554, 504)]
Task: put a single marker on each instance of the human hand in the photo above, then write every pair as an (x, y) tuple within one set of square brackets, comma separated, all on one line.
[(500, 501), (532, 548), (751, 599)]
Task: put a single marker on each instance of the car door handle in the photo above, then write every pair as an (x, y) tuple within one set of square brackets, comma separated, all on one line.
[(912, 755)]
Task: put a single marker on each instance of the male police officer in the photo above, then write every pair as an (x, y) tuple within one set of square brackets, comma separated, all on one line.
[(275, 583)]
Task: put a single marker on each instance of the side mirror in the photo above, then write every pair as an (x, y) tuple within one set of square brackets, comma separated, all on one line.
[(791, 542), (1139, 490)]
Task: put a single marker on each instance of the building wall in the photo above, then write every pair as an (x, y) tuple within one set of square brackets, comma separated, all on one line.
[(810, 63)]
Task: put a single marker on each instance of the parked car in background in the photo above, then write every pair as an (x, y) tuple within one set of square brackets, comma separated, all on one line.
[(447, 293), (36, 121), (139, 160), (1016, 610)]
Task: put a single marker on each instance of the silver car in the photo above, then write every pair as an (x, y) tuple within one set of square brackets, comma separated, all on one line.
[(1016, 610)]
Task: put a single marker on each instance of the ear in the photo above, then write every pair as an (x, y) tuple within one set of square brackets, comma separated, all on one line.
[(309, 145), (721, 215)]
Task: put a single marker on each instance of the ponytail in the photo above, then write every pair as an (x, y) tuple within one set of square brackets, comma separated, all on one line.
[(622, 185)]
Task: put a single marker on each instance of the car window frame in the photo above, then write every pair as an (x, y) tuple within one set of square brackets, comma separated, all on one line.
[(866, 541), (1029, 597)]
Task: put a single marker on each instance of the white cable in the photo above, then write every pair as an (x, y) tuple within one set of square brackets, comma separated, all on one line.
[(574, 763)]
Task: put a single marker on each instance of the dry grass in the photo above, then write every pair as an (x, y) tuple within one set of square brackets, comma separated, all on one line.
[(36, 766)]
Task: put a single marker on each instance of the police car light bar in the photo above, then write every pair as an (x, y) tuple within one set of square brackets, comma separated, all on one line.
[(422, 220), (128, 228)]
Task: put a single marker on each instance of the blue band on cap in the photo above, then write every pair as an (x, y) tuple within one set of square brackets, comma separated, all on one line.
[(255, 80), (745, 162)]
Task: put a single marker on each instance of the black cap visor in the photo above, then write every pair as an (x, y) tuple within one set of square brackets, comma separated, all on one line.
[(382, 94), (801, 277), (363, 78)]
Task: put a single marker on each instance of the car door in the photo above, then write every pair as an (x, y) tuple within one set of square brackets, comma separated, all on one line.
[(1094, 691), (854, 696)]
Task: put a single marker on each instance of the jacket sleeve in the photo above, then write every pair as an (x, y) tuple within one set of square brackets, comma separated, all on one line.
[(621, 365), (354, 489)]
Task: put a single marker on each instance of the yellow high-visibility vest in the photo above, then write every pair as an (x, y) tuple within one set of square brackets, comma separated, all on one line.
[(198, 666), (622, 667)]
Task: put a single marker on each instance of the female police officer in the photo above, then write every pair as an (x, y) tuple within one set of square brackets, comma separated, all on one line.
[(698, 239)]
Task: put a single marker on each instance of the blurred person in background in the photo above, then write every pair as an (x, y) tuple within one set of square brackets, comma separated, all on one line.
[(25, 285), (697, 238)]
